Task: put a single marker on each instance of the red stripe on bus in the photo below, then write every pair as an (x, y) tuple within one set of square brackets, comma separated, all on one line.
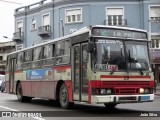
[(17, 71), (61, 67), (111, 76)]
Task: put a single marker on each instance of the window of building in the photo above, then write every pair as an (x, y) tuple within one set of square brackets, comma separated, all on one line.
[(19, 26), (155, 43), (46, 22), (114, 16), (155, 12), (19, 47), (73, 15), (33, 24)]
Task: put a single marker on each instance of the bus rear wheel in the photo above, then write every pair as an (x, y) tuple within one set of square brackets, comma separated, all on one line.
[(64, 97), (110, 106), (20, 96)]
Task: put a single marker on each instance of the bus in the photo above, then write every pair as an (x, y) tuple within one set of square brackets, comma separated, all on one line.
[(97, 64)]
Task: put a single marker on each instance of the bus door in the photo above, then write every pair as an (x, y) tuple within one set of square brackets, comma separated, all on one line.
[(12, 64), (80, 83)]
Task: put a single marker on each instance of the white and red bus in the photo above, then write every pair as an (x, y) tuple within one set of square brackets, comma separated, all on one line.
[(97, 65)]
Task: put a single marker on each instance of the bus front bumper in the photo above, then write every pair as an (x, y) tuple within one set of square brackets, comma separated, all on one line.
[(99, 99)]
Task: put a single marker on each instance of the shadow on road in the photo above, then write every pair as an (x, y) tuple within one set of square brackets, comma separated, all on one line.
[(85, 110)]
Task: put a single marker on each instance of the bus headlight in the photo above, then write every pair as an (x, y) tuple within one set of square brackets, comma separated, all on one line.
[(141, 90), (109, 91), (146, 90), (103, 91), (106, 91)]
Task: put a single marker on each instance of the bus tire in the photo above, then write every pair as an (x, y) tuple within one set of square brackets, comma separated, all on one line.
[(28, 99), (20, 96), (64, 97), (110, 106)]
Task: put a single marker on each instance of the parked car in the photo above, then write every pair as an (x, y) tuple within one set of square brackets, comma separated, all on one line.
[(2, 83)]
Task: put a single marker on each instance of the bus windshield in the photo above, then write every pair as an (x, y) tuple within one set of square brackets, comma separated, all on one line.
[(137, 55), (110, 55)]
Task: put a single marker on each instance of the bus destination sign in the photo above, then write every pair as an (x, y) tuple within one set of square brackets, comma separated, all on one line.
[(119, 33)]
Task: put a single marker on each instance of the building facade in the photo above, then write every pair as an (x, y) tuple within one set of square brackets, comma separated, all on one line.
[(49, 19), (5, 48)]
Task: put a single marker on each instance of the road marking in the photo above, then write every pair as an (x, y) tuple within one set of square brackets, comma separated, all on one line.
[(38, 118)]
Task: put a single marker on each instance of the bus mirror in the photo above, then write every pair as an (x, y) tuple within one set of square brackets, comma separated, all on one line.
[(90, 47)]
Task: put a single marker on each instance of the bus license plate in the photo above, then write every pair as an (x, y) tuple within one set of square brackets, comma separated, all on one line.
[(144, 98)]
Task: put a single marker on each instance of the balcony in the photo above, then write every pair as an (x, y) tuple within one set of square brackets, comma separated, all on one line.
[(44, 30), (18, 36), (116, 22)]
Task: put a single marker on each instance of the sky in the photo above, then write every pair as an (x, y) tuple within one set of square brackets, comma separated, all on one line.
[(7, 16)]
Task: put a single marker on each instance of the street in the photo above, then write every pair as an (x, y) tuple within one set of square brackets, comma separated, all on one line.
[(47, 110)]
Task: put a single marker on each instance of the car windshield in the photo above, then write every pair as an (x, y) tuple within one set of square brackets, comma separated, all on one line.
[(110, 55)]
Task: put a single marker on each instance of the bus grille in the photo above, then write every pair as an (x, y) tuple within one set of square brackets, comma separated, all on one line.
[(125, 83), (126, 91)]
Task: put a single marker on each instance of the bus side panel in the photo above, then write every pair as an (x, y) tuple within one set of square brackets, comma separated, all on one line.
[(27, 88), (48, 89), (42, 89), (36, 88)]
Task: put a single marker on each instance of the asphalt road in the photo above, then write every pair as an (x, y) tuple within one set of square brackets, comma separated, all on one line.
[(41, 109)]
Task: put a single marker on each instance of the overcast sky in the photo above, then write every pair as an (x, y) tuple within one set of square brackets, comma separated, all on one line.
[(7, 16)]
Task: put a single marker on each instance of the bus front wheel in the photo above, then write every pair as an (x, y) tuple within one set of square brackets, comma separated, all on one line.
[(110, 106), (64, 97)]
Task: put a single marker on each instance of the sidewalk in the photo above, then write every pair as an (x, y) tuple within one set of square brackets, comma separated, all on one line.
[(157, 92)]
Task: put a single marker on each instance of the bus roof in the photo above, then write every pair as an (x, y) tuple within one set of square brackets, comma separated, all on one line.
[(118, 27), (78, 32)]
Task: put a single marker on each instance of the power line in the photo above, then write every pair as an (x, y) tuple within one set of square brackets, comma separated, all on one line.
[(10, 2)]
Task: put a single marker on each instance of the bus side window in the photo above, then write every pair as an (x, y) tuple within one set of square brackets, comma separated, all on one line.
[(47, 55), (45, 52), (36, 57), (59, 52), (66, 55), (19, 60), (53, 50)]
